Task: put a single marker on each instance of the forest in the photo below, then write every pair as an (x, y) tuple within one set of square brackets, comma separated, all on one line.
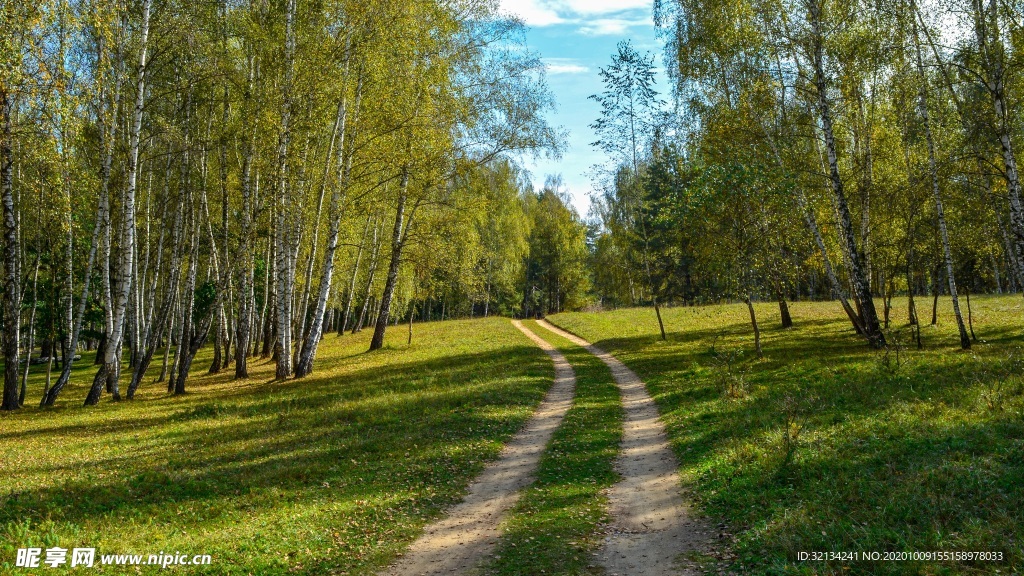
[(248, 175)]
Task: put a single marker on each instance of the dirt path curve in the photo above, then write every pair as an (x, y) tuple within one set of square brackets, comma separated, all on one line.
[(458, 543), (651, 524)]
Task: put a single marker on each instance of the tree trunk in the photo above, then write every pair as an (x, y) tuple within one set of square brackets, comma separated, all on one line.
[(215, 269), (187, 297), (886, 303), (837, 287), (11, 280), (412, 314), (352, 282), (155, 327), (970, 316), (912, 318), (753, 322), (812, 224), (312, 338), (108, 131), (990, 44), (269, 336), (1014, 264), (155, 332), (172, 326), (32, 331), (787, 320), (311, 335), (194, 330), (127, 261), (995, 272), (487, 298), (246, 295), (285, 287), (940, 215), (911, 307), (657, 312), (869, 317), (369, 280), (398, 236), (183, 357)]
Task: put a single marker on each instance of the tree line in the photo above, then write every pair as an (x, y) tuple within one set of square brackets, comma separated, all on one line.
[(254, 174), (825, 149)]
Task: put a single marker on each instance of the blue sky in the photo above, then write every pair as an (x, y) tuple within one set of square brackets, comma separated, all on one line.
[(576, 38)]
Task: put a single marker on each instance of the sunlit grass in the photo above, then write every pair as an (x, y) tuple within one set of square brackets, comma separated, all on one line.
[(827, 445), (331, 474)]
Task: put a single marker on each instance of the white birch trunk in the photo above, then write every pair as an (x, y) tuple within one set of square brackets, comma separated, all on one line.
[(869, 318), (111, 361), (940, 215), (282, 240)]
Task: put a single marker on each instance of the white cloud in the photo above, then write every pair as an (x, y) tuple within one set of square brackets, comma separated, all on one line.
[(532, 12), (541, 13), (564, 66), (610, 26), (602, 7)]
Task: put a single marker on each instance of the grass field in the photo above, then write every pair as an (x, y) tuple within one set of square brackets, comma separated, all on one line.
[(332, 474), (822, 446), (826, 445)]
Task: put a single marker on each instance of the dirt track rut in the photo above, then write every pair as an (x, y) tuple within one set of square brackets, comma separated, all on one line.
[(459, 542), (651, 523)]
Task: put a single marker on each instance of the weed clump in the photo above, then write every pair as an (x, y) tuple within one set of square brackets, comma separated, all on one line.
[(893, 357), (731, 377)]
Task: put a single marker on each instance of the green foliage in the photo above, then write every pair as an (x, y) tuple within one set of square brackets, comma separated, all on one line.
[(556, 275), (730, 196), (630, 113), (630, 125), (206, 296)]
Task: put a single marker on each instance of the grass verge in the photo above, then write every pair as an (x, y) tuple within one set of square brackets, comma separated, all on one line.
[(553, 529), (828, 446)]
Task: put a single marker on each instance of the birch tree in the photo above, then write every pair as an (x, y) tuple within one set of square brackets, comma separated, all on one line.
[(110, 372)]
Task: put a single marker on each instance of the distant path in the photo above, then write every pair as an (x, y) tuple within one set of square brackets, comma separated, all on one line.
[(651, 525), (458, 543)]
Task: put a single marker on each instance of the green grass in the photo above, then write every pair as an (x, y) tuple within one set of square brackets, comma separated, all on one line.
[(553, 528), (827, 445), (332, 474)]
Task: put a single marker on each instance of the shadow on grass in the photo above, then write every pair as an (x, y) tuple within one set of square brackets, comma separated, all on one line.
[(380, 450), (830, 446)]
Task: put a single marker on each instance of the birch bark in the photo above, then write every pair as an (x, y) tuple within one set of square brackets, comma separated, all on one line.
[(110, 371), (344, 165), (399, 235), (940, 215), (283, 244), (11, 280), (989, 42), (862, 290)]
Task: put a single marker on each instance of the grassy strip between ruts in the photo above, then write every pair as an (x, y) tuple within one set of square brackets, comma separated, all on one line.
[(828, 446), (553, 529), (332, 474)]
